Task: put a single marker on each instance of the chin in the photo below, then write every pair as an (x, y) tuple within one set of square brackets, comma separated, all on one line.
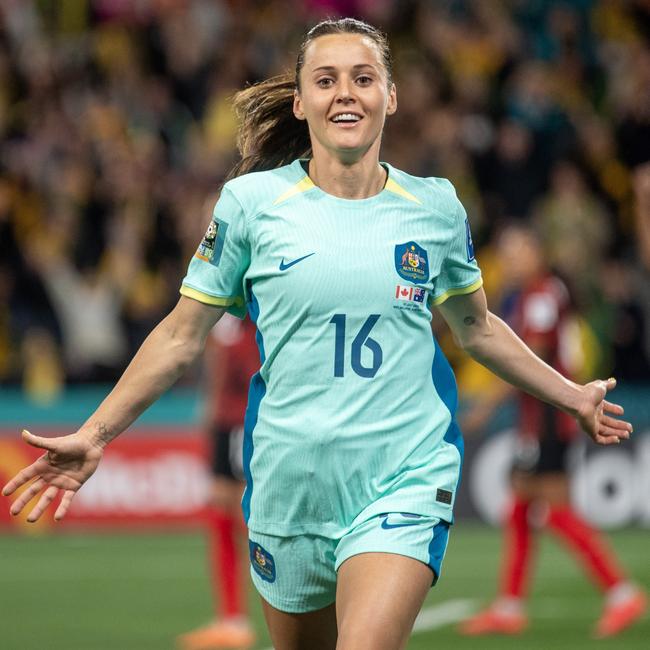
[(352, 145)]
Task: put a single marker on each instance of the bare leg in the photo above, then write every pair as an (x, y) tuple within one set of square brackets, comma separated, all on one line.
[(378, 596), (309, 631)]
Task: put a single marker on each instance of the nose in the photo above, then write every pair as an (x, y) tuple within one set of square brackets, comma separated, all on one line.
[(345, 93)]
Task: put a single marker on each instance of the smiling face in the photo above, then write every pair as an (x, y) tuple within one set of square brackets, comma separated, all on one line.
[(344, 95)]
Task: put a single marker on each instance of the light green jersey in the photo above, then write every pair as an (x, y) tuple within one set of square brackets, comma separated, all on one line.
[(351, 413)]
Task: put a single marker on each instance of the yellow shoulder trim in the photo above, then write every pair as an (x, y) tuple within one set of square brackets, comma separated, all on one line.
[(458, 292), (301, 186), (207, 299), (396, 188)]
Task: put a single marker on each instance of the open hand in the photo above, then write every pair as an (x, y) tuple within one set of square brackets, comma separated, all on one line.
[(595, 414), (68, 463)]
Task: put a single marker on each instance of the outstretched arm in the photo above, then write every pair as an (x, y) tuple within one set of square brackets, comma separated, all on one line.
[(488, 340), (70, 460), (163, 357)]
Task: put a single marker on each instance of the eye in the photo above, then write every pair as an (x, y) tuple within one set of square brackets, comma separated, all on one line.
[(324, 82), (364, 80)]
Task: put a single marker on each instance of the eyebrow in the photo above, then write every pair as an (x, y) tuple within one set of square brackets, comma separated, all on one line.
[(331, 68)]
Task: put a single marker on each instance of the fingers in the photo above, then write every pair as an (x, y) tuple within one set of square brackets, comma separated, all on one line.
[(45, 471), (610, 432), (622, 427), (610, 407), (606, 440), (27, 496), (64, 505), (46, 498), (24, 476)]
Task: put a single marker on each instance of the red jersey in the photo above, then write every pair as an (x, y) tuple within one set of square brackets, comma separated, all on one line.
[(232, 359), (540, 315)]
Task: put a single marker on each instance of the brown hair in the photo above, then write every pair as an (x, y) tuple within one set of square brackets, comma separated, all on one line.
[(269, 135)]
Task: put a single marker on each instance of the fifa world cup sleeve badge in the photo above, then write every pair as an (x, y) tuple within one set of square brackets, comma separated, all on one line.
[(211, 245), (412, 262)]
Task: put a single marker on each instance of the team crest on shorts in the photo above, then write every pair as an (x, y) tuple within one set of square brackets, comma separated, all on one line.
[(262, 561), (411, 262)]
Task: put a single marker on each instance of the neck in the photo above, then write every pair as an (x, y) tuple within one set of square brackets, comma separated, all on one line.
[(358, 179)]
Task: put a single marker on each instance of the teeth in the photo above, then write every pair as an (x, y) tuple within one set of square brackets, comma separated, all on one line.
[(346, 117)]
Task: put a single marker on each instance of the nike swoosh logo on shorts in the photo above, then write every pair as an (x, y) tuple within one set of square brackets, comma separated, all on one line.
[(284, 267), (386, 526)]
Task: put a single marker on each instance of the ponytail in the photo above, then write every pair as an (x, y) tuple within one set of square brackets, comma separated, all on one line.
[(269, 134)]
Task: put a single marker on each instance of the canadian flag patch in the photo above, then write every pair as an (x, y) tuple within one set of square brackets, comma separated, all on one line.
[(403, 293)]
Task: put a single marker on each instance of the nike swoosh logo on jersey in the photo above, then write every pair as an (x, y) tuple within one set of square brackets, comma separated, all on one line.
[(284, 267), (386, 526)]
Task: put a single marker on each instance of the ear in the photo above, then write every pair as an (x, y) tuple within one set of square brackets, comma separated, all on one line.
[(297, 106), (391, 107)]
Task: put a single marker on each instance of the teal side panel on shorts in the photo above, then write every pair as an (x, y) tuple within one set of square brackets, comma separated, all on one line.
[(438, 547), (256, 393)]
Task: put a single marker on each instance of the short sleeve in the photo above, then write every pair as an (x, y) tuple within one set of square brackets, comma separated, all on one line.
[(215, 274), (459, 273)]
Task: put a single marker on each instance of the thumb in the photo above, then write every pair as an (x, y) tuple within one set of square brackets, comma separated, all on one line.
[(36, 441), (605, 385)]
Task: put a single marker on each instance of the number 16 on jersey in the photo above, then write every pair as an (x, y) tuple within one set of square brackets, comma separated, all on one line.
[(360, 340)]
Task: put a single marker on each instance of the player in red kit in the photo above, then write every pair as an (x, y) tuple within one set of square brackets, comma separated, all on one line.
[(539, 310), (232, 358)]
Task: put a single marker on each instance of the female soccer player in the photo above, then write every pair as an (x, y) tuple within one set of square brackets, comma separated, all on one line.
[(351, 451)]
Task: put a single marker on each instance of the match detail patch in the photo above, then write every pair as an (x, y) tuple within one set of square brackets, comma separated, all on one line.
[(443, 496)]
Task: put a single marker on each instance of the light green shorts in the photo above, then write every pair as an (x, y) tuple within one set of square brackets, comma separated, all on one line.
[(298, 574)]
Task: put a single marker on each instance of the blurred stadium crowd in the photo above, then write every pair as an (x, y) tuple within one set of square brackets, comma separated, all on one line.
[(116, 132)]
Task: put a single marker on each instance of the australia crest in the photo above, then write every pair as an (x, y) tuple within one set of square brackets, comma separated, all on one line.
[(411, 262), (262, 561)]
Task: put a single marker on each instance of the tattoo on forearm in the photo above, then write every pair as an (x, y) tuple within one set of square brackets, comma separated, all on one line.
[(103, 432), (469, 320)]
